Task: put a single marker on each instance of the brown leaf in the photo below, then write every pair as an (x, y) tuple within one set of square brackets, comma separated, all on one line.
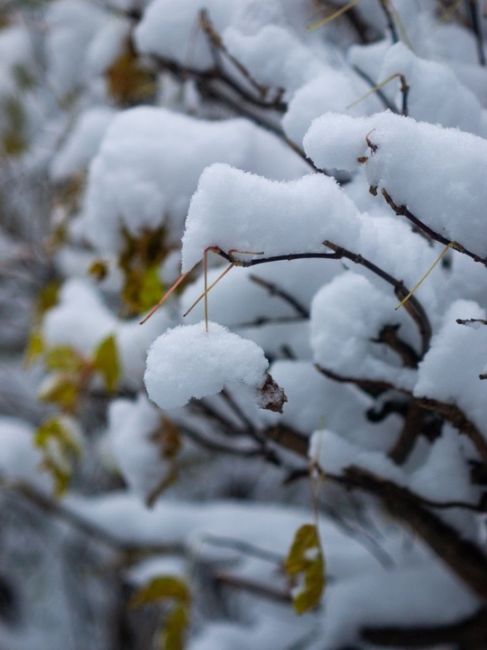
[(271, 396)]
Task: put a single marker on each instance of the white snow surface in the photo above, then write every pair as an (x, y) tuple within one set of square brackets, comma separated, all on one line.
[(188, 362), (81, 320), (346, 316), (450, 370), (20, 460), (236, 210), (82, 143), (130, 426), (437, 173), (149, 163)]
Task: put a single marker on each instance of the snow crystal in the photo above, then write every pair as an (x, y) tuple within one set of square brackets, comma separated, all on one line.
[(188, 362)]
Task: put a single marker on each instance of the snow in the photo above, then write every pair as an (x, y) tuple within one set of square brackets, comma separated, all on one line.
[(444, 476), (314, 401), (346, 316), (451, 200), (107, 45), (81, 321), (82, 143), (350, 604), (435, 94), (244, 212), (450, 370), (149, 163), (188, 362), (334, 453), (72, 24), (130, 427), (331, 91), (169, 28), (299, 279), (274, 57), (20, 460)]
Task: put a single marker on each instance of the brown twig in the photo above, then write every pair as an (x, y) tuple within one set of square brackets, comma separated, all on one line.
[(402, 210)]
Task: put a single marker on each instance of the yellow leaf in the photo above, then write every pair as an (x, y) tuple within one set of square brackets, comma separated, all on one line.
[(47, 298), (174, 631), (107, 363), (160, 589), (63, 358), (305, 559), (53, 429), (60, 475), (34, 348), (62, 391), (57, 461)]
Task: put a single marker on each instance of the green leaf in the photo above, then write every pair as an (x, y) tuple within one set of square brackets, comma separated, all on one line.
[(305, 559), (142, 288), (107, 363), (160, 589)]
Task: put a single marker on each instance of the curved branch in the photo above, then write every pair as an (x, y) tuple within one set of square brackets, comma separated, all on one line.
[(403, 211)]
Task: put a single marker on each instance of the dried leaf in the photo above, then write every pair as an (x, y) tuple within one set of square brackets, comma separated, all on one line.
[(129, 81), (98, 269), (271, 396)]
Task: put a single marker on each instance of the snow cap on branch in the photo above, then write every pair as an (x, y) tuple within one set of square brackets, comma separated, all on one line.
[(238, 211), (149, 163), (188, 362), (437, 173)]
